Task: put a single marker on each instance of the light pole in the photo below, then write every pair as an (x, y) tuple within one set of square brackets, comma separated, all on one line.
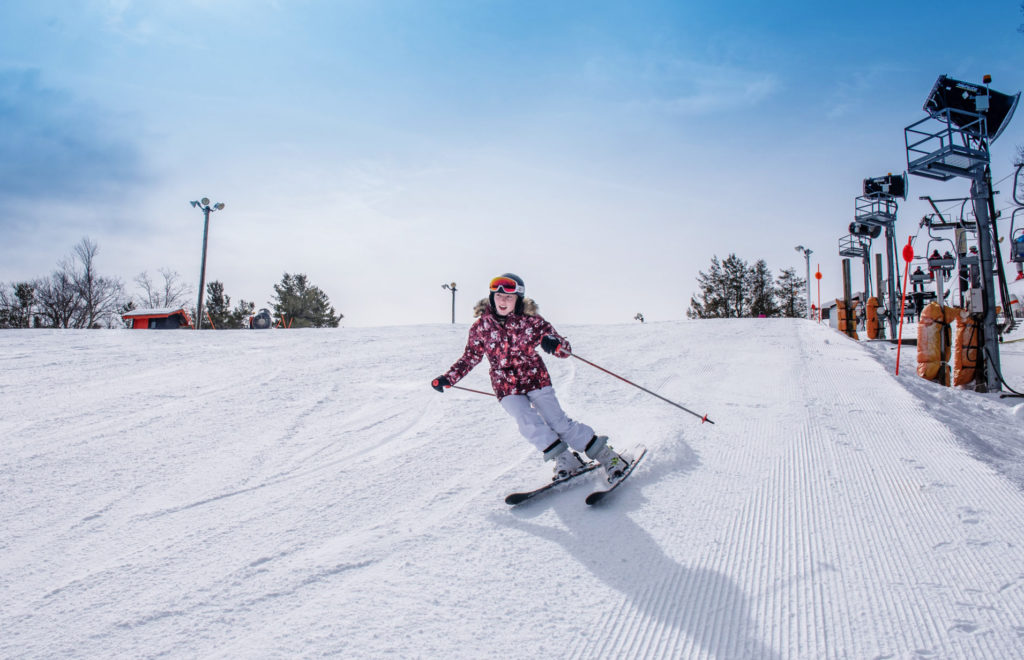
[(452, 288), (807, 256), (204, 204)]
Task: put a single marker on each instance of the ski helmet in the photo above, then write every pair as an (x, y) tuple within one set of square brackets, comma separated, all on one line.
[(508, 283)]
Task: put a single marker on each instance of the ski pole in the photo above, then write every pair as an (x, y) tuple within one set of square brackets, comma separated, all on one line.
[(703, 418), (459, 387)]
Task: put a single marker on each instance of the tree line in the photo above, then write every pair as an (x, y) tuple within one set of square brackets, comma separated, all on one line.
[(76, 295), (732, 288)]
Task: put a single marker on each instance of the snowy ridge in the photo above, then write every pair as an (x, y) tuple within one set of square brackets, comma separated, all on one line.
[(305, 493)]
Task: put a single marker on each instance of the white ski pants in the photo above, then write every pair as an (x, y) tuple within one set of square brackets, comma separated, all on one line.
[(542, 421)]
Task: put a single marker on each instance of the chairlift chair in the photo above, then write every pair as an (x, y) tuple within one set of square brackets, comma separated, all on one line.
[(918, 275), (944, 261), (1016, 237)]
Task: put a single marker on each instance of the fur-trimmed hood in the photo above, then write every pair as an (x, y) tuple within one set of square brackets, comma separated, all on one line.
[(530, 307)]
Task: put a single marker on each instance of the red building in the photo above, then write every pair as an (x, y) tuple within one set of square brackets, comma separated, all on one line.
[(158, 319)]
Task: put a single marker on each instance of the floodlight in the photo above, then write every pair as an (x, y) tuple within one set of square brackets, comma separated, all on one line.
[(205, 201), (194, 204), (861, 229), (964, 102), (219, 206), (888, 185)]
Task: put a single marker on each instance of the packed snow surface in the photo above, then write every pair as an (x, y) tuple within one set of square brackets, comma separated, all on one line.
[(305, 493)]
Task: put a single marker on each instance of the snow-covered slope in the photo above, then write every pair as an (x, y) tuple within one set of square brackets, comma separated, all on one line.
[(305, 493)]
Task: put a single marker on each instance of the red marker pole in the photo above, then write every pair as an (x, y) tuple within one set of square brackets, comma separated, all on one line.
[(817, 276), (908, 256)]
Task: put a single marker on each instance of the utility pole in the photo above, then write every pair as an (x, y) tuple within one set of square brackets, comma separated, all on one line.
[(204, 205), (807, 257), (452, 288)]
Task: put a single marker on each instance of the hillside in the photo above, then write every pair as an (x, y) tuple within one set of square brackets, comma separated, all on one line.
[(305, 493)]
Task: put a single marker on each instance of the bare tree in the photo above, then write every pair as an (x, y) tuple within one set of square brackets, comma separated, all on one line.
[(57, 298), (172, 293), (100, 296)]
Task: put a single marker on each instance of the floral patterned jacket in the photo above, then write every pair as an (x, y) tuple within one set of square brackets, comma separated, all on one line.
[(511, 349)]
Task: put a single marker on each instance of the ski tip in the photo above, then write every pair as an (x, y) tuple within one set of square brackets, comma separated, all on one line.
[(594, 498), (516, 498)]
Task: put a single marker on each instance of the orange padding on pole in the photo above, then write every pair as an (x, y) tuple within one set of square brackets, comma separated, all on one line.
[(966, 346), (846, 322), (871, 311), (934, 342)]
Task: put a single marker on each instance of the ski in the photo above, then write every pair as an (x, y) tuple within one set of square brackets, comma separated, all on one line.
[(519, 498), (639, 452)]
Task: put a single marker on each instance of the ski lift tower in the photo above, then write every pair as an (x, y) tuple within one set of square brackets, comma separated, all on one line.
[(877, 208), (854, 245), (953, 141)]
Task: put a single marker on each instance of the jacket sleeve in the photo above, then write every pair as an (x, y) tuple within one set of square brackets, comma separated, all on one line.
[(544, 329), (470, 357)]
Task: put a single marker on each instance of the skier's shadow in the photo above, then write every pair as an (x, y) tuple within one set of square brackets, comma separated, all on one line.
[(705, 605)]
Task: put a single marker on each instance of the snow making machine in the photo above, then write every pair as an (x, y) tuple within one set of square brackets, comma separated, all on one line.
[(261, 320)]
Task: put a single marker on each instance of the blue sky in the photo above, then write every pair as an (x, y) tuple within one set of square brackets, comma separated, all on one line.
[(604, 151)]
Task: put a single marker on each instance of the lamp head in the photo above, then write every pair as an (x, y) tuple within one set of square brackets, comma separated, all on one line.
[(798, 248), (219, 206), (205, 201), (194, 204)]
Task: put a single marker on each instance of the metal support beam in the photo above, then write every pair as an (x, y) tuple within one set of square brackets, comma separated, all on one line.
[(989, 331)]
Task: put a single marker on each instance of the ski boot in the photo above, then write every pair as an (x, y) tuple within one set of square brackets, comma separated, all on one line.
[(567, 464), (614, 464)]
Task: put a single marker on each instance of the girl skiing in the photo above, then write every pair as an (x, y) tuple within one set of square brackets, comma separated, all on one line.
[(508, 331)]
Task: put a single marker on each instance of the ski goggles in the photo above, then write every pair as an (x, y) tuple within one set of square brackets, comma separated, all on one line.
[(507, 285)]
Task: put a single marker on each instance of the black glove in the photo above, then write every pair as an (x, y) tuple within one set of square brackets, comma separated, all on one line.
[(440, 383), (557, 347)]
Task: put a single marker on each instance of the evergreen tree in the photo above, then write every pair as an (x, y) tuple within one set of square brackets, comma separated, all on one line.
[(791, 294), (299, 304), (762, 290), (709, 303), (243, 310), (736, 287), (723, 292), (218, 305), (16, 305)]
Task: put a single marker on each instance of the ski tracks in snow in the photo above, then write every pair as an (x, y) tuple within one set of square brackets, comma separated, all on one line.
[(316, 497), (857, 532)]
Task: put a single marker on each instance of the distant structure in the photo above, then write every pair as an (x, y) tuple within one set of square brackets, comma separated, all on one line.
[(170, 318), (639, 317)]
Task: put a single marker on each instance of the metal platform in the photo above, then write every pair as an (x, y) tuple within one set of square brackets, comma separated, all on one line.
[(943, 147), (852, 246), (875, 211)]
